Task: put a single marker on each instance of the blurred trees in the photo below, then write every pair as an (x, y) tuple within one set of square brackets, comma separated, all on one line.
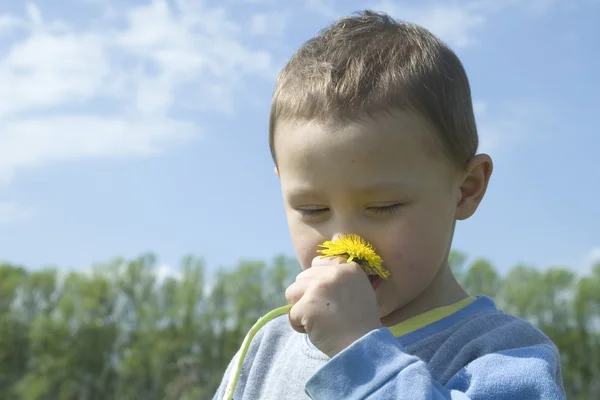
[(118, 331)]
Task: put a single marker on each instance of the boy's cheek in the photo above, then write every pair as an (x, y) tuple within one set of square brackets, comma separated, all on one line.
[(396, 247), (408, 255), (305, 245)]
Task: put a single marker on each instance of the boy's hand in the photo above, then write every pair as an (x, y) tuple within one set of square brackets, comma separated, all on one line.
[(334, 303)]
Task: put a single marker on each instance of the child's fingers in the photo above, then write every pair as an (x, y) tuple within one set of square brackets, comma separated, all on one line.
[(327, 261), (295, 317), (295, 291), (294, 294)]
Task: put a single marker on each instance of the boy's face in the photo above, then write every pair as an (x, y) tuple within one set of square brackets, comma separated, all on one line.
[(384, 179)]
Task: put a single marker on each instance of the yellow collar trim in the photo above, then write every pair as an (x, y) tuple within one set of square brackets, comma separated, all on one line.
[(429, 317)]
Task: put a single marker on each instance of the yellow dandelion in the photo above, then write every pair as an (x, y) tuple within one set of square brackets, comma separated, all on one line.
[(354, 248)]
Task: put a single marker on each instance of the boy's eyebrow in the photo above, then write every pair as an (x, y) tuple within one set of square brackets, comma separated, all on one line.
[(383, 186), (379, 187)]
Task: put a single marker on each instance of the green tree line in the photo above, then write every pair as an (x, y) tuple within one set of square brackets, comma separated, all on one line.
[(118, 331)]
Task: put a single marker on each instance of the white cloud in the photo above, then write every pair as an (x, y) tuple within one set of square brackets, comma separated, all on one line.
[(492, 133), (35, 141), (325, 8), (453, 23), (271, 23), (479, 107), (8, 23), (592, 257), (110, 89), (48, 70), (165, 271), (458, 24), (582, 264), (11, 212), (508, 124)]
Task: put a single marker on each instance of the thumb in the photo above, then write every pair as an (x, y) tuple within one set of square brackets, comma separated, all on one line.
[(321, 261)]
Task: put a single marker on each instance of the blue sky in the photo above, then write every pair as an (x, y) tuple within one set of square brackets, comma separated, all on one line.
[(128, 126)]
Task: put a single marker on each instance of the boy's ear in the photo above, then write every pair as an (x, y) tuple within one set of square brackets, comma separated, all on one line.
[(474, 185)]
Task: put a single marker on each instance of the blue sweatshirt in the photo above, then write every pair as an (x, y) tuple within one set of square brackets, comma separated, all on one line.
[(469, 350)]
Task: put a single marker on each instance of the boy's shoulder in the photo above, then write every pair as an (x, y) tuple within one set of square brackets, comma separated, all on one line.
[(483, 328), (477, 341), (476, 333), (496, 330), (479, 338), (277, 364)]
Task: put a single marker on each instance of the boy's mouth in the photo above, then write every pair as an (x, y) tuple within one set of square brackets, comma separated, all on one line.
[(375, 280)]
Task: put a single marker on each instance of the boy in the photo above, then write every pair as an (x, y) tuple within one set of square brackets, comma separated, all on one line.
[(372, 132)]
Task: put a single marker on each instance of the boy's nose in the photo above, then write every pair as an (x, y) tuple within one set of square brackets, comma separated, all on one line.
[(336, 235), (344, 225), (342, 233)]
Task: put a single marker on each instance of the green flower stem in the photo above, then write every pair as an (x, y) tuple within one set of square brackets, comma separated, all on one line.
[(234, 375)]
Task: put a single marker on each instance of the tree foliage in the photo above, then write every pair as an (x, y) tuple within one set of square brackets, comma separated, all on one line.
[(121, 331)]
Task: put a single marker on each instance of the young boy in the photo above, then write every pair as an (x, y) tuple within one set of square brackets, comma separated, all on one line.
[(372, 132)]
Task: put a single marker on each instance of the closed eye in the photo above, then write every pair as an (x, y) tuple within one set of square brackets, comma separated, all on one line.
[(380, 210), (312, 212), (389, 209)]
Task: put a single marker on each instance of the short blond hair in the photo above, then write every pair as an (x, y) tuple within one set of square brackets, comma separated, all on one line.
[(370, 63)]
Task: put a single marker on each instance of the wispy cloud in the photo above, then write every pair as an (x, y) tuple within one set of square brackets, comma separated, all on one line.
[(505, 125), (325, 8), (459, 23), (453, 23), (11, 212), (592, 257), (110, 89), (582, 264), (272, 23), (165, 271)]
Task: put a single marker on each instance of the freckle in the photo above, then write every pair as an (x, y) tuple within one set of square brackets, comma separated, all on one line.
[(327, 303)]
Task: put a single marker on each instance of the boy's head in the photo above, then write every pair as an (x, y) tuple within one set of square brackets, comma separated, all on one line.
[(372, 132), (369, 64)]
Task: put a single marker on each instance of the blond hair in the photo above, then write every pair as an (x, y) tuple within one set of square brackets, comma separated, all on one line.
[(370, 63)]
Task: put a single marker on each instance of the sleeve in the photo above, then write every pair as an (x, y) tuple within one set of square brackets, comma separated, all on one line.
[(378, 367)]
